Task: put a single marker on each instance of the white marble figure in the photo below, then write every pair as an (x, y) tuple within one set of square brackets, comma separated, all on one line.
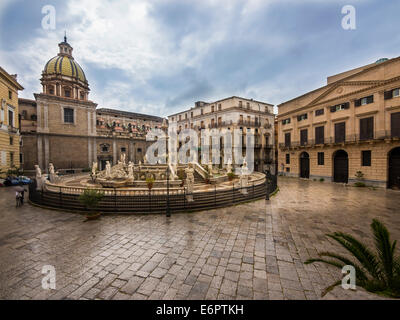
[(130, 170), (123, 158), (210, 168), (52, 175), (108, 170), (244, 177), (229, 166), (145, 159), (94, 169), (39, 178), (245, 169)]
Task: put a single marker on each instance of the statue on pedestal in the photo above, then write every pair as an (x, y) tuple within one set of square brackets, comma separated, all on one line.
[(52, 175), (229, 166), (108, 170), (94, 170), (123, 158), (130, 171), (39, 178)]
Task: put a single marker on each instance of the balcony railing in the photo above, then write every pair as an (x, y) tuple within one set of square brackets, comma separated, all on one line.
[(349, 139)]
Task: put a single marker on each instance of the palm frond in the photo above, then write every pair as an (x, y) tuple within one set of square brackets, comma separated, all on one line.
[(330, 288), (332, 263), (360, 274), (384, 248), (367, 259)]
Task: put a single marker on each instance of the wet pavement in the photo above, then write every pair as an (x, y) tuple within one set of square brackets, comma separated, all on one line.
[(249, 251)]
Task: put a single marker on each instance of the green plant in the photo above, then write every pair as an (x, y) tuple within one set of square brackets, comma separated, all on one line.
[(375, 272), (90, 198), (231, 176), (360, 184), (149, 182), (86, 170), (321, 179), (359, 175)]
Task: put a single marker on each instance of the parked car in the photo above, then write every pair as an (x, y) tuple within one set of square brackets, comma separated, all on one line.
[(14, 181)]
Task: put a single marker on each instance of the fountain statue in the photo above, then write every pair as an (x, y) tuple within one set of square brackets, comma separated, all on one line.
[(108, 170), (130, 171), (123, 158), (94, 169), (52, 175), (189, 181), (229, 165), (244, 177), (39, 178)]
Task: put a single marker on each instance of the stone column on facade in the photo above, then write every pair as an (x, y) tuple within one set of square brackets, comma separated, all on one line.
[(90, 152), (380, 120), (39, 117), (40, 150), (114, 151), (94, 150), (46, 150), (46, 117)]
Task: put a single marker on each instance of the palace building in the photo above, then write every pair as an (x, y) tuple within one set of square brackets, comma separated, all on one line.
[(249, 115), (62, 126), (347, 131), (9, 124)]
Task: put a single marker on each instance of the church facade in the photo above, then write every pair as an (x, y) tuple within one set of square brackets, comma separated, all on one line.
[(62, 126)]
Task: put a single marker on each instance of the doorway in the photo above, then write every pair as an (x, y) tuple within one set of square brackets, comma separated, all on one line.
[(341, 166)]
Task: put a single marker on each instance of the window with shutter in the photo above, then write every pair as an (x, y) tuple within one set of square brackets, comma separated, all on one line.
[(367, 128), (287, 139), (340, 132), (333, 109), (319, 135), (346, 105), (303, 137), (357, 103), (287, 158), (366, 158), (319, 112), (321, 158), (388, 95), (395, 124)]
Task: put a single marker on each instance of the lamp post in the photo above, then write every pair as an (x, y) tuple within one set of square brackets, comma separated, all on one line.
[(168, 209)]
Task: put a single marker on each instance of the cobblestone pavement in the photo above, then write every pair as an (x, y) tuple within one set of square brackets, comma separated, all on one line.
[(250, 251)]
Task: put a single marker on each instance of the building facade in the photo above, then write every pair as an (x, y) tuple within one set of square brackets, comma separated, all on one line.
[(9, 123), (249, 115), (347, 131), (63, 127)]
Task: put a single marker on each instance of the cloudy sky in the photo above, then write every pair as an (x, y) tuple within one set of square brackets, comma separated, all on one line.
[(160, 56)]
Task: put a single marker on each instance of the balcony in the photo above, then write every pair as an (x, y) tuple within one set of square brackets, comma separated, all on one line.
[(244, 123), (349, 139)]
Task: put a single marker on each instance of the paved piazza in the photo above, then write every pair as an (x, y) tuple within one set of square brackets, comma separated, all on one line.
[(250, 251)]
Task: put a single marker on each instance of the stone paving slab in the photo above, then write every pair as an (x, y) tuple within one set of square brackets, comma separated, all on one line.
[(250, 251)]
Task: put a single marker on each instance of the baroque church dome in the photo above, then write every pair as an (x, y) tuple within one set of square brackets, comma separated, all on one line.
[(62, 76), (65, 66)]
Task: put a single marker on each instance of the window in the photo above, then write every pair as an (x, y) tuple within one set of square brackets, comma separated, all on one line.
[(68, 115), (288, 169), (364, 101), (11, 159), (104, 147), (395, 124), (340, 132), (212, 108), (303, 137), (342, 106), (11, 141), (396, 93), (240, 104), (319, 112), (67, 93), (51, 90), (287, 139), (24, 114), (11, 118), (201, 111), (367, 128), (21, 158), (9, 94), (366, 158), (302, 117), (286, 121), (123, 149), (186, 115), (191, 114), (180, 117), (287, 158), (248, 105), (82, 95), (321, 158), (319, 135), (139, 150), (219, 107)]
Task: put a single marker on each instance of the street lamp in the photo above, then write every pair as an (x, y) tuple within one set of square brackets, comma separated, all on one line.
[(168, 209)]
